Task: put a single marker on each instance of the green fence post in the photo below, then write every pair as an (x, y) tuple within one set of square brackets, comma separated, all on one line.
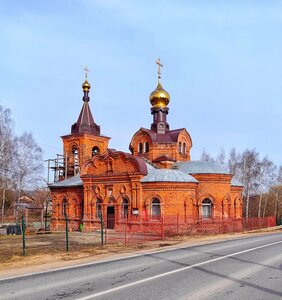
[(102, 230), (23, 234), (67, 233)]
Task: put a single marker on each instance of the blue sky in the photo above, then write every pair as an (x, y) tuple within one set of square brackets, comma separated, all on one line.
[(222, 68)]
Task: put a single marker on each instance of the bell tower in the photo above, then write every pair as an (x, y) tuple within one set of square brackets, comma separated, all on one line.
[(85, 139)]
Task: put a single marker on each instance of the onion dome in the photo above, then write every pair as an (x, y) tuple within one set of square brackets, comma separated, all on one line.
[(159, 97), (86, 86)]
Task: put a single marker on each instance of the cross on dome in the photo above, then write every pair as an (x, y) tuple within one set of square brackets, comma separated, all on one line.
[(86, 71), (158, 62)]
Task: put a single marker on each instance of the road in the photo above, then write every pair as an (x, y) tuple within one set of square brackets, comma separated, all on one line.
[(246, 268)]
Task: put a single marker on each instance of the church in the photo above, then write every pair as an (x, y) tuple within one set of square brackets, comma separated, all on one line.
[(155, 181)]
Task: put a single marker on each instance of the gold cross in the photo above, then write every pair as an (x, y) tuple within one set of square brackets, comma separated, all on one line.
[(86, 71), (158, 62)]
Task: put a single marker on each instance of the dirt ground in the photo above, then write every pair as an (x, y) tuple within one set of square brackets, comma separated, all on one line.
[(45, 252)]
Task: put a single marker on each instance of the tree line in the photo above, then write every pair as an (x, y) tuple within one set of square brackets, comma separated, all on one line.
[(21, 162), (261, 178)]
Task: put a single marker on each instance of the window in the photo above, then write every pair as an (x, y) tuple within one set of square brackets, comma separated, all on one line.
[(75, 160), (95, 151), (98, 208), (156, 209), (140, 148), (64, 207), (179, 147), (146, 146), (184, 148), (124, 209), (207, 209)]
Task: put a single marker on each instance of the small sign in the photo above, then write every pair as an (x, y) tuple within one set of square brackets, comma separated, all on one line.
[(135, 211)]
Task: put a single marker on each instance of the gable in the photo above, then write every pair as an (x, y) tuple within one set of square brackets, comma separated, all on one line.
[(114, 162)]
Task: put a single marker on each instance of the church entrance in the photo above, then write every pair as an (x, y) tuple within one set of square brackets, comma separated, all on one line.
[(110, 217)]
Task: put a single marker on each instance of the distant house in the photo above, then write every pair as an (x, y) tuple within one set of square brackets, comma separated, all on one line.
[(26, 201)]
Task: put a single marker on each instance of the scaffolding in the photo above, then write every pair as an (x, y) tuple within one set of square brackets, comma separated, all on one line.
[(62, 167), (57, 169)]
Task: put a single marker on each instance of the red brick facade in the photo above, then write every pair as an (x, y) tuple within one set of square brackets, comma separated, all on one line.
[(150, 183)]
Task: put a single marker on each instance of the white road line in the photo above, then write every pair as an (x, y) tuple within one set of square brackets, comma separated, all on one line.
[(173, 272), (121, 257)]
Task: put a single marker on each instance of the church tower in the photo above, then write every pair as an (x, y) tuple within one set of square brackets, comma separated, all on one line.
[(85, 139), (159, 144), (159, 99)]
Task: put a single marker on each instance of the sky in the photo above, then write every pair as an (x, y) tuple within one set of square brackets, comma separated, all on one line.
[(222, 68)]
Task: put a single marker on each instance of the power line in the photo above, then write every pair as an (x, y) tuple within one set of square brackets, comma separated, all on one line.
[(50, 146)]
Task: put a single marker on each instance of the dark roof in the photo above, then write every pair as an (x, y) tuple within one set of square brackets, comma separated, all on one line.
[(163, 158), (85, 122), (169, 137), (199, 167)]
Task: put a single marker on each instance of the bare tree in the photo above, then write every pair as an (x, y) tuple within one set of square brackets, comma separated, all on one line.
[(279, 176), (6, 153), (206, 156), (221, 158), (28, 164), (233, 162), (266, 178), (249, 174)]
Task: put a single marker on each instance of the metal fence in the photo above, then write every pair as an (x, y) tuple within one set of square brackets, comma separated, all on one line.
[(148, 230)]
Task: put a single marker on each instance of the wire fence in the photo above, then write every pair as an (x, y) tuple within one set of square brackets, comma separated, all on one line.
[(148, 230)]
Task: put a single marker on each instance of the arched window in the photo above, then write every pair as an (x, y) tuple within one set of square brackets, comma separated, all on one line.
[(155, 209), (124, 209), (75, 160), (207, 209), (98, 208), (140, 148), (179, 147), (64, 207), (95, 151), (184, 148), (146, 147)]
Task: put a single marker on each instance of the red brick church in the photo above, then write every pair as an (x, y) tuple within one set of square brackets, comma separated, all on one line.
[(157, 179)]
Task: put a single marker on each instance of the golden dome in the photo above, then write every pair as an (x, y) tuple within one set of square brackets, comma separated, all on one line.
[(86, 86), (159, 97)]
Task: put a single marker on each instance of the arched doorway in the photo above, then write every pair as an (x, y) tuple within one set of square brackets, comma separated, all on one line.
[(111, 215)]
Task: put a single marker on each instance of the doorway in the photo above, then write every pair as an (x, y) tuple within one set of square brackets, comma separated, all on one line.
[(110, 217)]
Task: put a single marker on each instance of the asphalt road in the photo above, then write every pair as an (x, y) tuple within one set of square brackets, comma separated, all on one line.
[(248, 268)]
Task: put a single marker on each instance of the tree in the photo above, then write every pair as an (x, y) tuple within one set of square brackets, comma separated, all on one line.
[(233, 162), (221, 158), (249, 174), (6, 142), (206, 156), (266, 178), (28, 164), (6, 153), (279, 176)]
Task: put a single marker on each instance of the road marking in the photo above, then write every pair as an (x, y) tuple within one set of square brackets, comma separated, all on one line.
[(174, 271), (121, 257)]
